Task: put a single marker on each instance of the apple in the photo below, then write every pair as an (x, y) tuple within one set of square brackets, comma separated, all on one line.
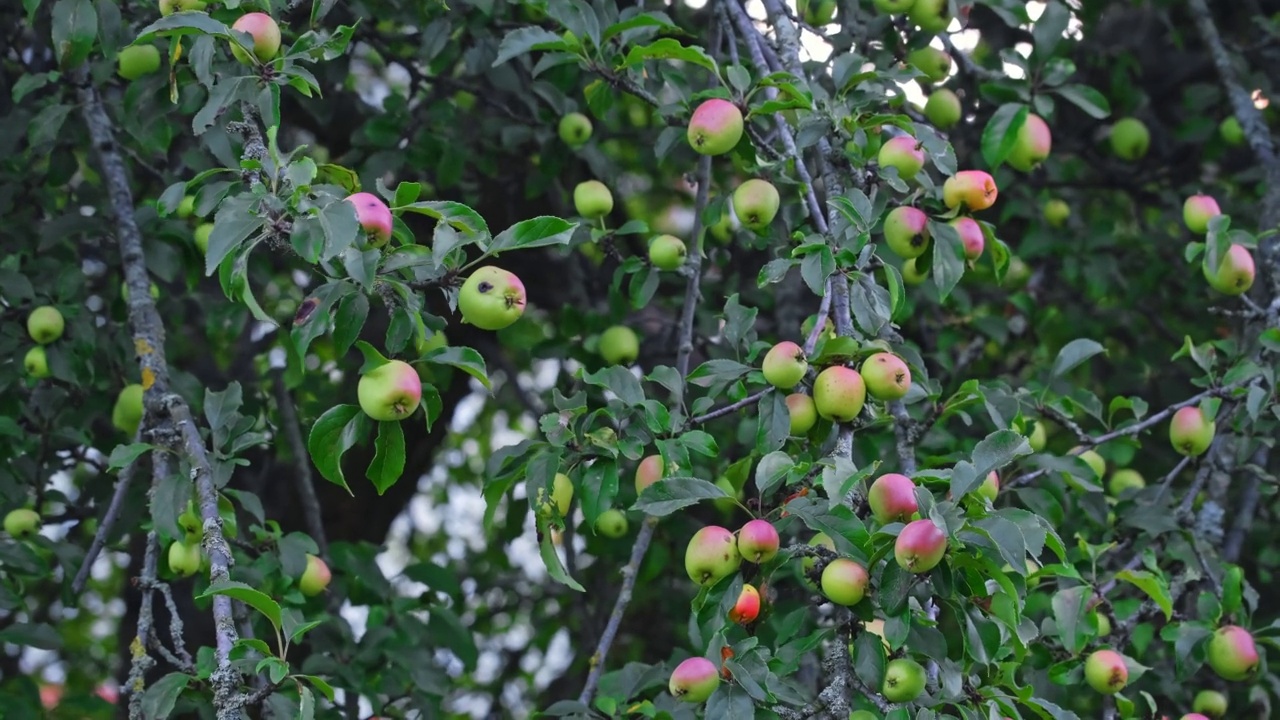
[(893, 6), (886, 376), (694, 680), (1102, 623), (201, 235), (1031, 145), (920, 546), (265, 34), (934, 63), (1231, 131), (828, 327), (943, 107), (374, 216), (1130, 139), (137, 60), (784, 365), (22, 523), (747, 608), (715, 127), (1232, 653), (970, 235), (1056, 212), (1211, 703), (561, 496), (930, 15), (1106, 672), (45, 324), (1194, 716), (186, 207), (390, 392), (191, 524), (902, 152), (126, 414), (1095, 462), (990, 487), (612, 523), (648, 472), (169, 7), (424, 344), (758, 541), (124, 291), (804, 414), (844, 582), (821, 539), (619, 345), (315, 578), (839, 393), (575, 129), (755, 203), (492, 298), (906, 231), (1190, 431), (36, 362), (903, 677), (970, 190), (1126, 479), (667, 252), (1236, 271), (592, 199), (911, 275), (1038, 436), (1197, 211), (184, 559), (892, 498), (863, 715), (816, 12), (712, 554)]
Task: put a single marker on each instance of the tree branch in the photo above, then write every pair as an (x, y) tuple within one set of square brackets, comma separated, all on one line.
[(749, 400), (302, 464), (108, 522)]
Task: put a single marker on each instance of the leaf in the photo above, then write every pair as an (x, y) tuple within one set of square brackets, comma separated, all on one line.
[(670, 49), (1068, 613), (1153, 585), (331, 436), (534, 232), (999, 449), (159, 699), (1087, 99), (183, 23), (1049, 27), (619, 381), (551, 558), (124, 455), (948, 257), (463, 358), (388, 459), (75, 27), (1074, 353), (1001, 132), (233, 224), (671, 494), (255, 599), (526, 39), (730, 700)]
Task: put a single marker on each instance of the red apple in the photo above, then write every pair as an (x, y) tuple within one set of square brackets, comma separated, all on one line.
[(758, 541), (374, 216), (920, 546), (970, 190), (971, 235), (892, 498), (747, 608)]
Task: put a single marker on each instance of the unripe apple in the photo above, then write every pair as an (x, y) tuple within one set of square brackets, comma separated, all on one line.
[(1038, 436), (126, 414), (1190, 431), (804, 414), (844, 582), (36, 362), (1095, 462), (931, 15), (756, 203), (1236, 272), (903, 677), (374, 217), (619, 345), (561, 496), (192, 526), (265, 33), (934, 63), (1232, 653), (747, 608), (892, 498), (45, 324), (1126, 479), (893, 6), (667, 252), (886, 376), (920, 546), (1032, 144), (201, 235), (971, 235), (990, 486), (612, 523), (943, 107), (1197, 211), (1211, 703), (816, 12), (137, 60), (911, 274), (758, 541), (592, 199), (863, 714), (1102, 623), (821, 539), (492, 298), (1106, 672), (784, 365), (902, 152), (712, 554), (715, 127), (184, 559), (390, 392), (839, 393), (648, 472), (169, 7), (970, 190), (1231, 131), (1130, 139), (424, 344), (22, 523), (694, 680), (315, 578), (575, 129), (1056, 212), (906, 231)]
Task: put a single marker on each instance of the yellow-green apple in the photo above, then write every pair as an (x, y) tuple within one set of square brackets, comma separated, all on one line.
[(592, 199), (863, 714), (1102, 624), (575, 129), (1197, 211), (902, 152), (712, 554), (758, 541), (619, 345), (1236, 271), (169, 7), (374, 217), (1130, 139), (1095, 462), (126, 414), (187, 207), (192, 527), (934, 63), (1106, 672), (492, 298), (265, 34), (694, 680), (45, 324), (1190, 431), (755, 203), (828, 327), (1232, 653), (561, 497), (1056, 212), (970, 235), (906, 231), (747, 608), (943, 107), (1231, 131), (886, 376), (36, 362), (903, 677), (844, 582), (970, 190), (201, 235), (612, 523), (784, 365), (1038, 435), (932, 16), (839, 393), (715, 127), (893, 6), (667, 252), (816, 12), (892, 498), (1031, 145), (990, 486), (315, 578), (648, 472), (1211, 703), (22, 523), (1126, 479), (137, 60), (804, 414), (390, 392), (184, 559), (424, 344), (911, 274), (920, 546)]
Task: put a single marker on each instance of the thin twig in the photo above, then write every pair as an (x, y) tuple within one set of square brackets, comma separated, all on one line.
[(104, 529), (302, 464), (751, 399)]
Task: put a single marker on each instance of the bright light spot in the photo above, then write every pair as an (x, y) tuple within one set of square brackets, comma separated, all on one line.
[(1035, 9), (1260, 101)]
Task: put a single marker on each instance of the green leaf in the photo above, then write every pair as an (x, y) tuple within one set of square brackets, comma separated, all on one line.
[(460, 217), (1001, 132), (1074, 353), (1049, 27), (159, 699), (1153, 585), (551, 558), (463, 358), (999, 449), (948, 257), (332, 435), (536, 232), (75, 27), (671, 494), (183, 23), (255, 599), (340, 228), (1069, 614), (388, 459), (1086, 98), (124, 455), (233, 224), (619, 381), (40, 636), (670, 49)]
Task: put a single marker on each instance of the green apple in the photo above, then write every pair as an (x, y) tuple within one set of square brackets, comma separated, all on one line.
[(932, 16), (667, 252), (902, 152), (1031, 144), (1125, 479), (612, 523), (694, 680), (492, 298), (911, 274), (816, 12), (819, 540), (712, 554), (990, 487), (592, 200), (1130, 139), (619, 345), (126, 414), (893, 6), (934, 63), (904, 678), (1056, 212), (184, 559), (1106, 672), (906, 231), (1190, 432), (390, 392), (201, 235), (22, 523), (784, 365), (943, 108), (1038, 436), (886, 375), (1231, 131), (839, 393), (844, 582), (134, 61), (1236, 271), (169, 7), (1232, 653), (315, 578), (426, 343), (36, 362), (45, 324), (803, 413), (561, 497), (756, 203), (715, 127), (1197, 211), (970, 190), (187, 207), (1095, 462), (263, 31), (1211, 703), (575, 129)]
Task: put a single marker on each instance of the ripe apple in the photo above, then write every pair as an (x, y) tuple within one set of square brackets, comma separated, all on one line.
[(137, 60), (1211, 703), (971, 235), (1231, 131), (1056, 212), (906, 231), (1190, 431), (712, 554), (45, 324), (934, 63), (36, 362), (756, 203), (784, 365), (902, 152), (184, 559), (886, 376), (920, 546), (892, 498), (612, 523), (492, 298), (648, 472), (1232, 653), (970, 190), (390, 392), (715, 127), (1197, 211), (169, 7), (592, 199), (758, 541), (903, 677), (943, 107), (201, 235), (1032, 144), (575, 129), (619, 345), (667, 252), (561, 495), (1236, 272), (747, 608), (265, 34), (816, 12), (839, 393), (844, 582), (126, 415), (374, 216), (22, 523), (804, 414), (990, 487), (315, 578), (1106, 672), (694, 680), (1130, 139), (1126, 479), (893, 6)]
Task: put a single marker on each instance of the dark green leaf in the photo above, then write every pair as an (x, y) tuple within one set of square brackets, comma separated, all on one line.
[(671, 494), (255, 599), (389, 454), (333, 434), (159, 699)]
